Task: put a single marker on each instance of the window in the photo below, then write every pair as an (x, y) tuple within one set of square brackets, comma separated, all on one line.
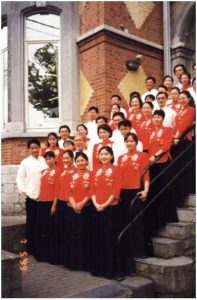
[(4, 76), (42, 68)]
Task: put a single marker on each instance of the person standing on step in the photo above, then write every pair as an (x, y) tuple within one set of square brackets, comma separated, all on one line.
[(28, 183)]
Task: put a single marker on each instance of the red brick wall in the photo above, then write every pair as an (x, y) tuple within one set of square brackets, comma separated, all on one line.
[(92, 16)]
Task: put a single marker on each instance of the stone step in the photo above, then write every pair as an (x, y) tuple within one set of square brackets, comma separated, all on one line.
[(190, 201), (166, 248), (179, 230), (11, 274), (169, 275), (187, 214), (141, 287)]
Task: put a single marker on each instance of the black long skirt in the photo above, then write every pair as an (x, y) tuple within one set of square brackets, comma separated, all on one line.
[(105, 228), (43, 230), (31, 211), (163, 209), (59, 244), (77, 247)]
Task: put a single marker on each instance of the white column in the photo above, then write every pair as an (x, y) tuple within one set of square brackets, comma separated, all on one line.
[(166, 37)]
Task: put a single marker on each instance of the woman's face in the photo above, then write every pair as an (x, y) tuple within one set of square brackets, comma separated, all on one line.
[(81, 163), (115, 108), (135, 104), (67, 160), (103, 134), (52, 141), (146, 109), (82, 131), (168, 82), (105, 157), (174, 95), (185, 80), (157, 120), (183, 100), (130, 143)]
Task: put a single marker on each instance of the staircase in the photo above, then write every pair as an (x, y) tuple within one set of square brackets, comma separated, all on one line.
[(172, 270)]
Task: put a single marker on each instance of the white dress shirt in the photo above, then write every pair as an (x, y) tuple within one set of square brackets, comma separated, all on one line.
[(170, 114), (28, 176), (92, 129), (153, 92)]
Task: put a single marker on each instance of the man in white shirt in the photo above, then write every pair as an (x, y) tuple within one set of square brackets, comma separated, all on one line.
[(116, 99), (64, 132), (150, 86), (93, 112), (28, 183), (178, 70), (170, 114)]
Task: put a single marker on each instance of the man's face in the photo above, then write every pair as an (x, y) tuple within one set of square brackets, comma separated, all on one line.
[(115, 100), (161, 99), (124, 130), (64, 133), (149, 84), (178, 71), (34, 150), (92, 115)]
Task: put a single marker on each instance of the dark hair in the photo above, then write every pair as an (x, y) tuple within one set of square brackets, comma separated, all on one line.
[(117, 96), (162, 86), (179, 65), (149, 103), (139, 98), (134, 94), (64, 126), (193, 80), (188, 75), (116, 105), (33, 141), (109, 150), (82, 154), (94, 108), (159, 112), (150, 96), (106, 128), (125, 123), (150, 77), (82, 125), (49, 154), (168, 76), (133, 135), (175, 88), (119, 113), (55, 136), (162, 93), (188, 95), (69, 142), (70, 153), (101, 117)]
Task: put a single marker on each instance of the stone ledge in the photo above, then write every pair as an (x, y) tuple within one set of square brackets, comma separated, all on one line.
[(179, 230), (141, 287)]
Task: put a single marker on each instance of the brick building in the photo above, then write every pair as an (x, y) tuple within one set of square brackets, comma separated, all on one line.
[(59, 58)]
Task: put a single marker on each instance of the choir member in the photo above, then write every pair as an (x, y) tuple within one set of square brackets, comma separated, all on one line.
[(64, 132), (135, 116)]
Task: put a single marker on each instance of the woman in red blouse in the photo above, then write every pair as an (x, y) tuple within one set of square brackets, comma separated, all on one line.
[(135, 113), (104, 133), (52, 145), (78, 210), (132, 165), (105, 224), (163, 210), (146, 127), (83, 131), (45, 208), (59, 244)]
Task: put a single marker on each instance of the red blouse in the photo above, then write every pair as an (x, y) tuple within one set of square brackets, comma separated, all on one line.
[(160, 139), (175, 106), (107, 183), (131, 167), (64, 182), (48, 184), (136, 119), (80, 185), (184, 120), (95, 155), (145, 131), (58, 154)]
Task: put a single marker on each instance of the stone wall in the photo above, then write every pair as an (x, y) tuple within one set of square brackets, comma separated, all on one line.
[(11, 202)]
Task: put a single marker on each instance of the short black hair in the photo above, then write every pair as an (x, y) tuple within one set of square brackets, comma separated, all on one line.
[(82, 125), (117, 96), (116, 105), (106, 128), (168, 76), (139, 98), (179, 65), (119, 113), (150, 96), (33, 141), (64, 126), (125, 123), (134, 94), (162, 86), (93, 108), (70, 153), (82, 154), (101, 117), (150, 78), (49, 154), (69, 142), (149, 103), (133, 135), (159, 112), (175, 88), (109, 150), (162, 93)]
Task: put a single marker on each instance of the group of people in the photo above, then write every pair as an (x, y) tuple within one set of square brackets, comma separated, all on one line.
[(80, 190)]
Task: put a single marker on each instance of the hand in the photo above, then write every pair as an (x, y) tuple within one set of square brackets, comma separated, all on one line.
[(77, 208), (142, 195), (176, 141), (53, 209), (152, 158)]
